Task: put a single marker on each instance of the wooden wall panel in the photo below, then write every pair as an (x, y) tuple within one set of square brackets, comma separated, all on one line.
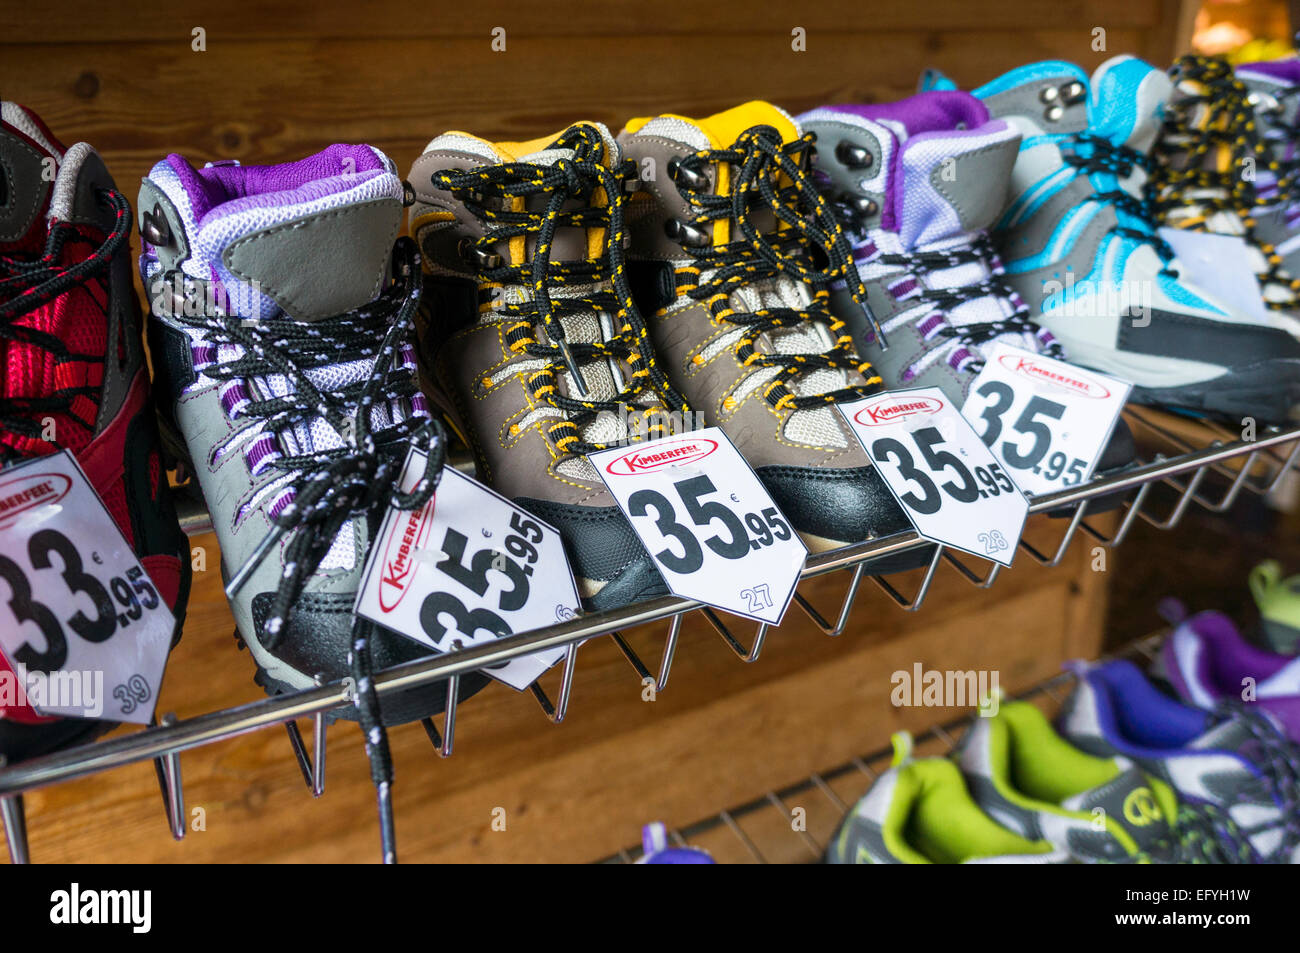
[(273, 85)]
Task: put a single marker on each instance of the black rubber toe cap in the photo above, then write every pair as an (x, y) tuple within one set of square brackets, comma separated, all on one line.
[(319, 637), (602, 547), (848, 506), (1120, 451)]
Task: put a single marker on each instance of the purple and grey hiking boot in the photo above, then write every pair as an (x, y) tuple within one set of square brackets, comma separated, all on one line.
[(916, 185), (282, 308), (1208, 661), (654, 843), (1234, 765)]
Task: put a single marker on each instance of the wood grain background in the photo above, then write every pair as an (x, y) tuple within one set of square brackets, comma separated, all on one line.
[(274, 85)]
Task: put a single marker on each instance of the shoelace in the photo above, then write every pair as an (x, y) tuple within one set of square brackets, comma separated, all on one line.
[(971, 335), (1092, 154), (1227, 134), (333, 486), (1205, 834), (759, 158), (27, 284), (488, 193), (1278, 760)]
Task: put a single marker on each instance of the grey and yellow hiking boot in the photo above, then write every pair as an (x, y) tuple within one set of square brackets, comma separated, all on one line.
[(733, 252), (280, 335), (531, 335)]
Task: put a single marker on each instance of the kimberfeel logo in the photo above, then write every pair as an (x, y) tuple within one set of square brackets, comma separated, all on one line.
[(29, 491), (890, 410), (1075, 381), (408, 534), (663, 453)]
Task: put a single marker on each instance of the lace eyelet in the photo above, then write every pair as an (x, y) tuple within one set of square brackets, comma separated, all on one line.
[(685, 173), (853, 155), (685, 234)]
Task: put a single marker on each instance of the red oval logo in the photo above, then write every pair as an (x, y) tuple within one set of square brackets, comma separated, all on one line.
[(408, 534), (662, 453), (25, 493), (1073, 380), (891, 409)]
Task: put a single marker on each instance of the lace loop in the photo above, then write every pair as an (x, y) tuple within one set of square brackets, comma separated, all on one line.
[(489, 193), (768, 176)]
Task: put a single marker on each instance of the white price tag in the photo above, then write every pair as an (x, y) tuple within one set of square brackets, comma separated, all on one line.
[(81, 623), (708, 521), (946, 480), (465, 569), (1046, 420)]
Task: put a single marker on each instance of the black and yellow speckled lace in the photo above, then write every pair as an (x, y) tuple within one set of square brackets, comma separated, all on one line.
[(1212, 145), (491, 194), (769, 174)]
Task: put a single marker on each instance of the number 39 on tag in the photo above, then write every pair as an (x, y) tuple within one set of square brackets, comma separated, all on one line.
[(82, 625)]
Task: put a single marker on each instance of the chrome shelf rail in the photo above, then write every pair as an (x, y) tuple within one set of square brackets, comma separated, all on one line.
[(1257, 465)]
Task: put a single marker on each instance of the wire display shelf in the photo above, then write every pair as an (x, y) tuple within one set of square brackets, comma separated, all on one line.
[(1184, 464), (730, 822)]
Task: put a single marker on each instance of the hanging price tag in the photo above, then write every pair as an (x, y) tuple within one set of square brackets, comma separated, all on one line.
[(81, 624), (946, 480), (466, 569), (1046, 420), (707, 520)]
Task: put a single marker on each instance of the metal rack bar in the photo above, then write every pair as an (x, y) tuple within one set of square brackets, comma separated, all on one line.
[(168, 740)]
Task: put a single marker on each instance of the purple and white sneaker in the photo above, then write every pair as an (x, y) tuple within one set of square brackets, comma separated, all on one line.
[(654, 843), (1207, 661), (282, 308), (1235, 765)]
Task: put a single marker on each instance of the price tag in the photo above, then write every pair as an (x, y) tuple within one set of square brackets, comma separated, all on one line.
[(81, 624), (1046, 420), (465, 569), (707, 520), (946, 480)]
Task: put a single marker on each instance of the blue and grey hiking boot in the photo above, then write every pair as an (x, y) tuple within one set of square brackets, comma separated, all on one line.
[(1080, 243)]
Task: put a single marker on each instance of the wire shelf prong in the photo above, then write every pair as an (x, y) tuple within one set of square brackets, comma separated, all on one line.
[(670, 649), (635, 660), (1230, 495), (746, 655), (915, 602), (1130, 517), (744, 838), (313, 766), (1290, 464), (1055, 560), (557, 711), (846, 607), (444, 740), (1188, 492), (14, 817), (809, 841), (979, 582), (827, 790), (168, 769)]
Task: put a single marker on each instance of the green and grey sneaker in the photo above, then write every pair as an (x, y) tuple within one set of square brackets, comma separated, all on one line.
[(1278, 600), (1100, 810), (919, 812)]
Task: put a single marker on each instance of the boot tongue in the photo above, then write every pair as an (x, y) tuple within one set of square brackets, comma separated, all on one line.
[(1128, 800), (309, 239), (569, 244), (29, 156), (1126, 102), (955, 182)]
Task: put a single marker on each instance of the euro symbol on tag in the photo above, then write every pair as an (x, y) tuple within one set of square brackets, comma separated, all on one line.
[(734, 498)]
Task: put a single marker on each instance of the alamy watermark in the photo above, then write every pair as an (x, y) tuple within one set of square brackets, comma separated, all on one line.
[(920, 687), (62, 690)]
